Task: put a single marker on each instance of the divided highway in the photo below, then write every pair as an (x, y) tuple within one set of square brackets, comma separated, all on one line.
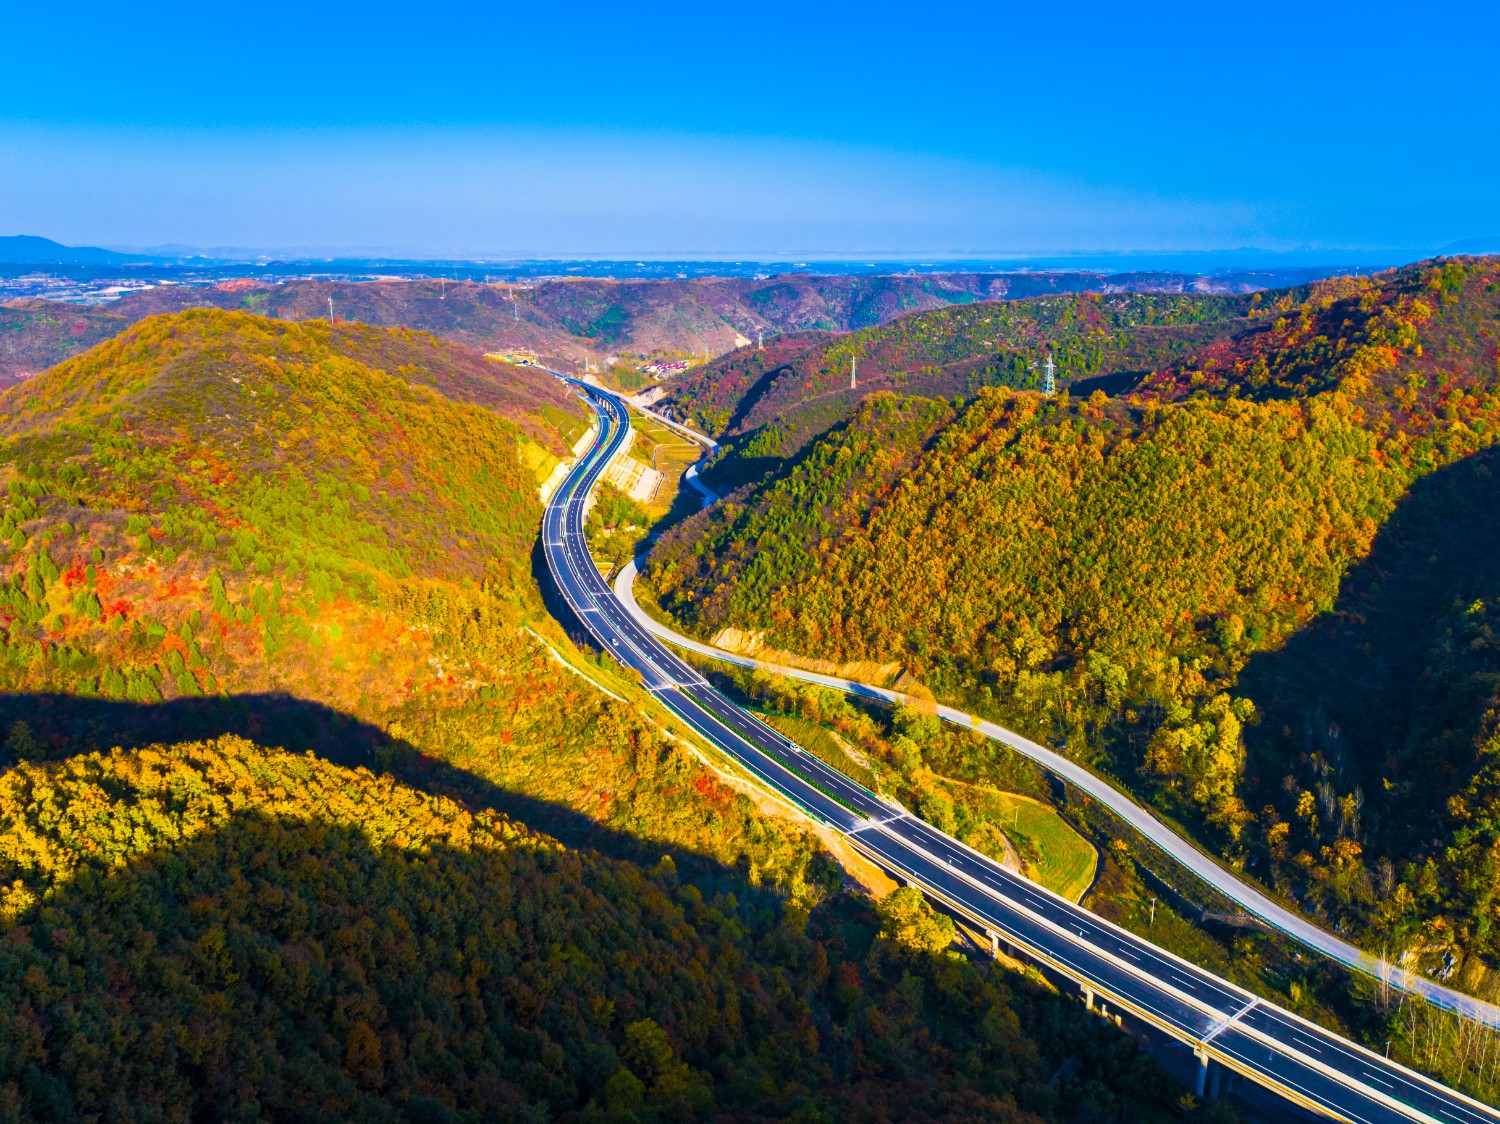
[(1242, 893), (1226, 1026)]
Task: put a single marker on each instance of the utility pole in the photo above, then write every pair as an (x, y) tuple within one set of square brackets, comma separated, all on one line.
[(1049, 380), (853, 364), (760, 338)]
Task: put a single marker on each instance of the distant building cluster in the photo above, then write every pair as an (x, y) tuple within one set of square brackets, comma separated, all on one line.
[(662, 368), (92, 290)]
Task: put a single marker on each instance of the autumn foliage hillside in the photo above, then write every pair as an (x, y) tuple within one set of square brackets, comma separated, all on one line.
[(770, 403), (1137, 577), (277, 691), (218, 521), (215, 930)]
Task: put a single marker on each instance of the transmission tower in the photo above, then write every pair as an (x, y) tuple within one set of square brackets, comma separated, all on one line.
[(1049, 379), (330, 308), (853, 364)]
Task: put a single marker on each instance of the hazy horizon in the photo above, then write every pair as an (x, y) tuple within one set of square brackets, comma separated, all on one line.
[(678, 133)]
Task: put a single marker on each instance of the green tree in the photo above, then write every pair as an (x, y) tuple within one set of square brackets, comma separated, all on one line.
[(907, 920)]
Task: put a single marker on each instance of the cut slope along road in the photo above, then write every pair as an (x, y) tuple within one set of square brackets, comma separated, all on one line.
[(1247, 896), (1227, 1027)]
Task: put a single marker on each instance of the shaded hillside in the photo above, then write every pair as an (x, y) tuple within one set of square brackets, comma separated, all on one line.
[(223, 533), (770, 403), (1377, 760), (215, 930), (1100, 572)]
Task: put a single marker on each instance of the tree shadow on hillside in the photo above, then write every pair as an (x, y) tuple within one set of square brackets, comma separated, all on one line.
[(1114, 384), (277, 963), (764, 384), (275, 937), (59, 726), (1373, 687)]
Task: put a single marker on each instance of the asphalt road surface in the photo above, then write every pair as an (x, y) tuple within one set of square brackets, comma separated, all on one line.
[(1225, 1024)]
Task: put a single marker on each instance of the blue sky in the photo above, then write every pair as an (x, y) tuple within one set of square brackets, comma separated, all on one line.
[(767, 130)]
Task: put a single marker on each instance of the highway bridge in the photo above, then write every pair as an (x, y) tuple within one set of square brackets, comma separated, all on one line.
[(1229, 1029)]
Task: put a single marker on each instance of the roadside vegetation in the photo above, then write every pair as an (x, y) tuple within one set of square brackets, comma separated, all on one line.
[(1257, 589), (279, 691)]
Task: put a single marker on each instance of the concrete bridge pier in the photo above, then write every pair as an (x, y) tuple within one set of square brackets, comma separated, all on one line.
[(1206, 1082)]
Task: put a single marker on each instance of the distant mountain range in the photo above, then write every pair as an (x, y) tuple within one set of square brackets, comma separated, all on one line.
[(568, 322), (1483, 246), (28, 249)]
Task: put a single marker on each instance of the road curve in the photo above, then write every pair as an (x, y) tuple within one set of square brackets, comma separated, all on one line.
[(1248, 897), (1225, 1025)]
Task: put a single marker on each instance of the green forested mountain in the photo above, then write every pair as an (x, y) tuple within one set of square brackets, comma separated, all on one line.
[(769, 403), (277, 699), (1258, 587), (218, 930)]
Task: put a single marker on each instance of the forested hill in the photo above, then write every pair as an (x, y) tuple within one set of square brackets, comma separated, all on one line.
[(216, 930), (568, 321), (770, 403), (1289, 543), (934, 351), (274, 670)]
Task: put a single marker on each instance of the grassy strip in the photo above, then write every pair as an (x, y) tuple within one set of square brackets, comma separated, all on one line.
[(824, 746), (1063, 860)]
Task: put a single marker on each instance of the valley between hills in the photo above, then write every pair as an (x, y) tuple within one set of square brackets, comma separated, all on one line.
[(313, 802)]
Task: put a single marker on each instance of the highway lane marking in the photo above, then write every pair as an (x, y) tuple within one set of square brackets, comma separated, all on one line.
[(1370, 1062), (1236, 1017), (869, 822), (1012, 885), (1153, 1005), (1274, 1080), (1435, 1092), (1154, 986), (1175, 985)]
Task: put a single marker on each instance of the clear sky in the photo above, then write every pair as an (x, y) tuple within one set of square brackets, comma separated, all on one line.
[(773, 129)]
